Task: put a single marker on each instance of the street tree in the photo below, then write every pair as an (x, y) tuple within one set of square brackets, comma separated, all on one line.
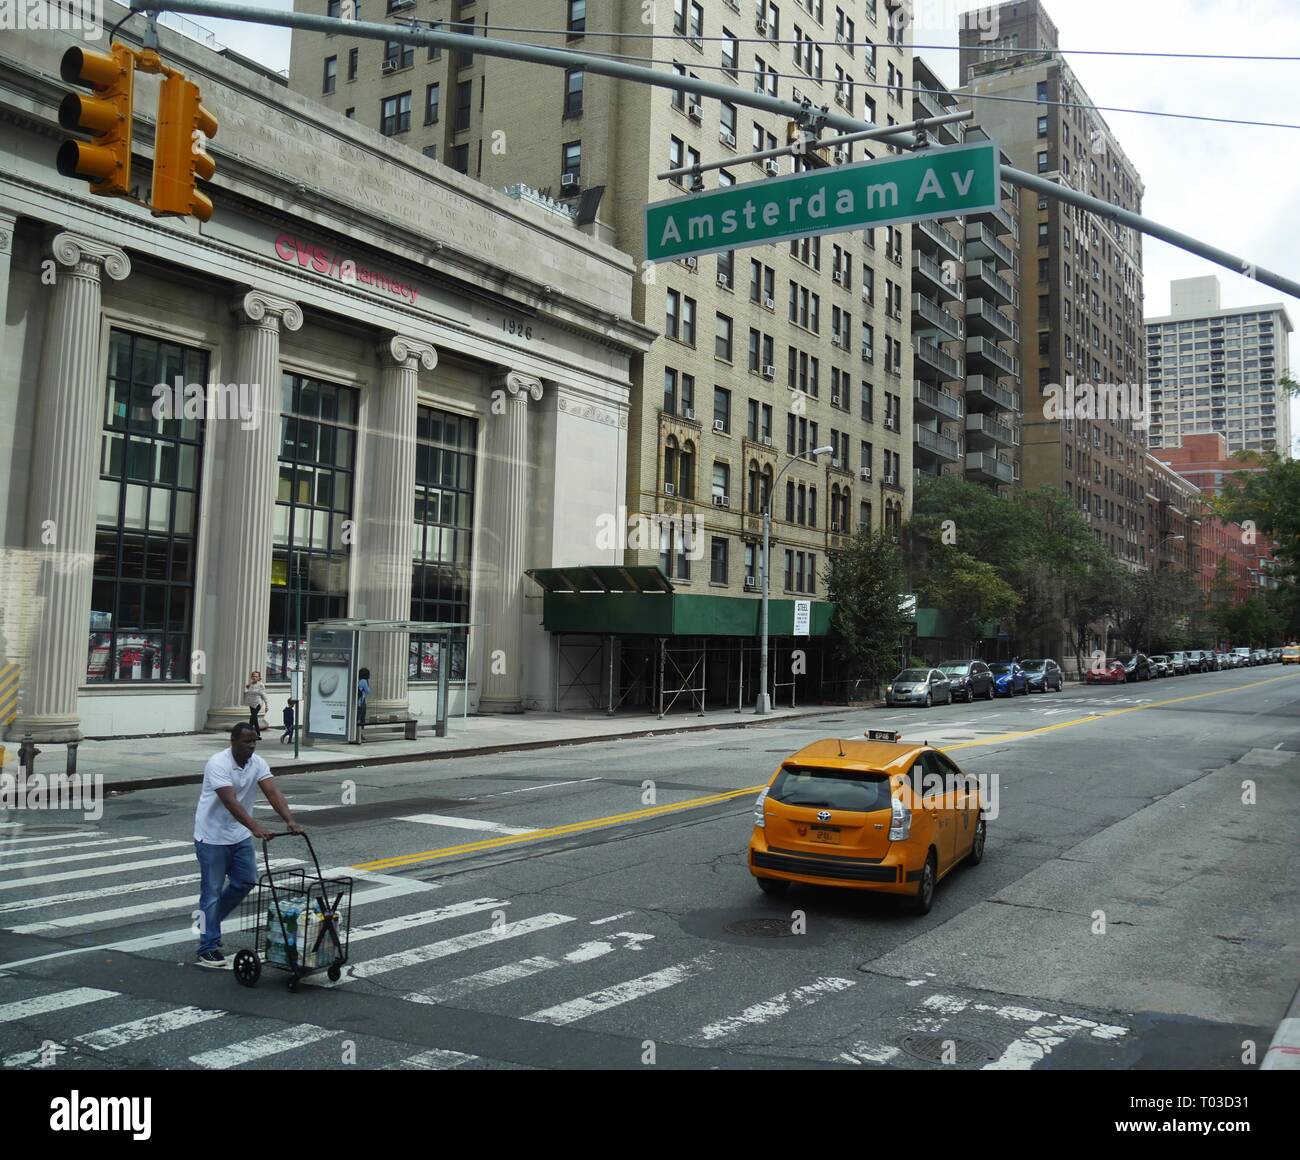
[(866, 580)]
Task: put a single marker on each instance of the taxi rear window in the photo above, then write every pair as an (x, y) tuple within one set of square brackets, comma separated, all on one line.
[(831, 789)]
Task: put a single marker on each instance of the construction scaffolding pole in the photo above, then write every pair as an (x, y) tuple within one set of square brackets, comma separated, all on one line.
[(734, 94)]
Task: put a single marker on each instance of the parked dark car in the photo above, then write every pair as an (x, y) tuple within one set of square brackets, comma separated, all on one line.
[(1199, 661), (969, 679), (1178, 661), (1043, 676), (1161, 665), (1009, 678), (1137, 667)]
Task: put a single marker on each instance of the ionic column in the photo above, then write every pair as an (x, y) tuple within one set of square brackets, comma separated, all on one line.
[(62, 480), (505, 493), (251, 466), (8, 223), (384, 540)]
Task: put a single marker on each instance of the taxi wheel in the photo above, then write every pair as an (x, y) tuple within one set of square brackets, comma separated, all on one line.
[(924, 897), (976, 855), (773, 885)]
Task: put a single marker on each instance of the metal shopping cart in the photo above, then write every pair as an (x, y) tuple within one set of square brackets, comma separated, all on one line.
[(299, 922)]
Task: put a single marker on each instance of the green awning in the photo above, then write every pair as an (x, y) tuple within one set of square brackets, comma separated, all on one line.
[(673, 614), (605, 578)]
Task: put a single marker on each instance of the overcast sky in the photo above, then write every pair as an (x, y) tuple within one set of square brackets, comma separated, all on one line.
[(1234, 186)]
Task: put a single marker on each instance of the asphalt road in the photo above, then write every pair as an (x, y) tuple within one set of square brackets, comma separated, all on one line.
[(590, 907)]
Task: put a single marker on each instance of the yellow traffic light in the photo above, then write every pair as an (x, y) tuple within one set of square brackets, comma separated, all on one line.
[(105, 161), (179, 160)]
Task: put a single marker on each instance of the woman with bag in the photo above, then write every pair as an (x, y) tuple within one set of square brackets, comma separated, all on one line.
[(363, 692), (255, 699)]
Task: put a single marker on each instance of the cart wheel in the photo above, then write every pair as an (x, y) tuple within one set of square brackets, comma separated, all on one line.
[(334, 972), (247, 967), (293, 982)]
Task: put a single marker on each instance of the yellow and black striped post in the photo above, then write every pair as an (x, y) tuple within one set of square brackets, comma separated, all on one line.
[(9, 681)]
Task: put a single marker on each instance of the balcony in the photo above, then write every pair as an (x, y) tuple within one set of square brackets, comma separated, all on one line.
[(983, 466), (933, 365), (981, 243), (932, 403), (983, 432), (981, 351), (930, 101), (983, 394), (935, 322), (931, 237), (1001, 222), (929, 275), (982, 278), (937, 445), (984, 318)]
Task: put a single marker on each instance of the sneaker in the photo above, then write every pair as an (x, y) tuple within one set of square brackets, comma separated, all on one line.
[(214, 959)]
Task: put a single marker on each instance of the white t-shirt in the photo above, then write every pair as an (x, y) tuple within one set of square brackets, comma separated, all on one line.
[(213, 823)]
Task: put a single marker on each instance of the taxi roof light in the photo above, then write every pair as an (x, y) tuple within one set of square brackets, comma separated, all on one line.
[(883, 735)]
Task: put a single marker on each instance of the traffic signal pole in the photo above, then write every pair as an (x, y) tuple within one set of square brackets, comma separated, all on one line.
[(735, 94)]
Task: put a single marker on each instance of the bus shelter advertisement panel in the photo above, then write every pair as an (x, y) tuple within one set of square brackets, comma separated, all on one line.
[(333, 681)]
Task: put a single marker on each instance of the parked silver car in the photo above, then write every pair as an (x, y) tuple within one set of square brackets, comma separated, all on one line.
[(918, 687)]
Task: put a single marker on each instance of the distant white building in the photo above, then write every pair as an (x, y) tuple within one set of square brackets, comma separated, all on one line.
[(1216, 368), (367, 372)]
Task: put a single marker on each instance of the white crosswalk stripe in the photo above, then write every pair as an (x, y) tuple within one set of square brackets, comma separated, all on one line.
[(523, 969), (9, 850), (94, 872), (602, 1000), (91, 857), (435, 1059), (775, 1007), (47, 1004), (122, 1034), (262, 1047)]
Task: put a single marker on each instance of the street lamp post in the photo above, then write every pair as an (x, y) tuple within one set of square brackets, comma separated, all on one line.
[(1156, 568), (763, 703)]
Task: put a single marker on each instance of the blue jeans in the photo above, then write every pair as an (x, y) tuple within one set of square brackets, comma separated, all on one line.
[(218, 863)]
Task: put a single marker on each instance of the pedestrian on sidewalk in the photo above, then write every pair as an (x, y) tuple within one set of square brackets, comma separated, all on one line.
[(363, 693), (255, 699), (290, 712), (224, 829)]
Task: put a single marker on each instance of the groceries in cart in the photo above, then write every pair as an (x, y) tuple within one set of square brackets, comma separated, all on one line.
[(303, 924)]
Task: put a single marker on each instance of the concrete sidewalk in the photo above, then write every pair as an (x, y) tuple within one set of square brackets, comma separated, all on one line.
[(178, 759)]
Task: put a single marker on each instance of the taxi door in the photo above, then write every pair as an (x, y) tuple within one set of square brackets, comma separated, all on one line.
[(940, 802), (966, 806)]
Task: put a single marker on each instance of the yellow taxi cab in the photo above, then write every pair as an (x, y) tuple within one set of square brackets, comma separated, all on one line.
[(879, 814), (1291, 654)]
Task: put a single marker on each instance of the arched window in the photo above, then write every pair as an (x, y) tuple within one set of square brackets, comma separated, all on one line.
[(835, 507), (755, 486), (670, 461), (767, 486), (687, 481)]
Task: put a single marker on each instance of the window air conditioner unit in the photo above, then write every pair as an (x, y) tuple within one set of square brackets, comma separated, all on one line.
[(840, 39), (670, 489), (835, 402), (767, 441), (762, 26), (771, 166), (770, 303), (728, 139), (720, 425), (723, 280), (841, 156), (865, 474), (568, 179), (695, 112), (691, 263), (722, 501), (837, 277), (751, 582), (688, 412), (388, 66), (769, 372)]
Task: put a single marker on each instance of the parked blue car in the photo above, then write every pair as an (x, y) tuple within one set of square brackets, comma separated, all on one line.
[(1008, 678)]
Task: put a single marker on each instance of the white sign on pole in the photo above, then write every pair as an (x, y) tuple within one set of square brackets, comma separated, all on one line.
[(802, 617)]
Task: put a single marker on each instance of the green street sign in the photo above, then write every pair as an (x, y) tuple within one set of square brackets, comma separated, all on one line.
[(931, 183)]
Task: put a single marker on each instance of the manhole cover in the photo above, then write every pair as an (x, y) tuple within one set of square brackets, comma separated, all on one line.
[(949, 1049), (761, 927)]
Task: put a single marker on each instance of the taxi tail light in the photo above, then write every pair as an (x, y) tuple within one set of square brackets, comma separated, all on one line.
[(759, 820), (900, 824)]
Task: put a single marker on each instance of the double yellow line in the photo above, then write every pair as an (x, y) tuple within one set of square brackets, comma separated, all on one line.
[(400, 860)]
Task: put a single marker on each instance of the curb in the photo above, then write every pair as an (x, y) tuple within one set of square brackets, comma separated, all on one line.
[(170, 780), (1283, 1053)]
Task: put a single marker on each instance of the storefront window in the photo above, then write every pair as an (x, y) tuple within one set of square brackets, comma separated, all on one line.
[(313, 529), (147, 511), (441, 536)]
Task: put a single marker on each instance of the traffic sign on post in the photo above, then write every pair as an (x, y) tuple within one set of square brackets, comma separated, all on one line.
[(930, 184)]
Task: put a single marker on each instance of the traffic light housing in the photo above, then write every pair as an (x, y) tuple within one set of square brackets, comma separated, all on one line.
[(104, 161), (179, 160)]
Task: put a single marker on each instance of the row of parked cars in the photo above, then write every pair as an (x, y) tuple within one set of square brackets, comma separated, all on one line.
[(1140, 667), (972, 678)]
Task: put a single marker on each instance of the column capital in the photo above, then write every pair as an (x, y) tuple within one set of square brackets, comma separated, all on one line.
[(260, 308), (520, 386), (8, 220), (402, 350), (88, 257)]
